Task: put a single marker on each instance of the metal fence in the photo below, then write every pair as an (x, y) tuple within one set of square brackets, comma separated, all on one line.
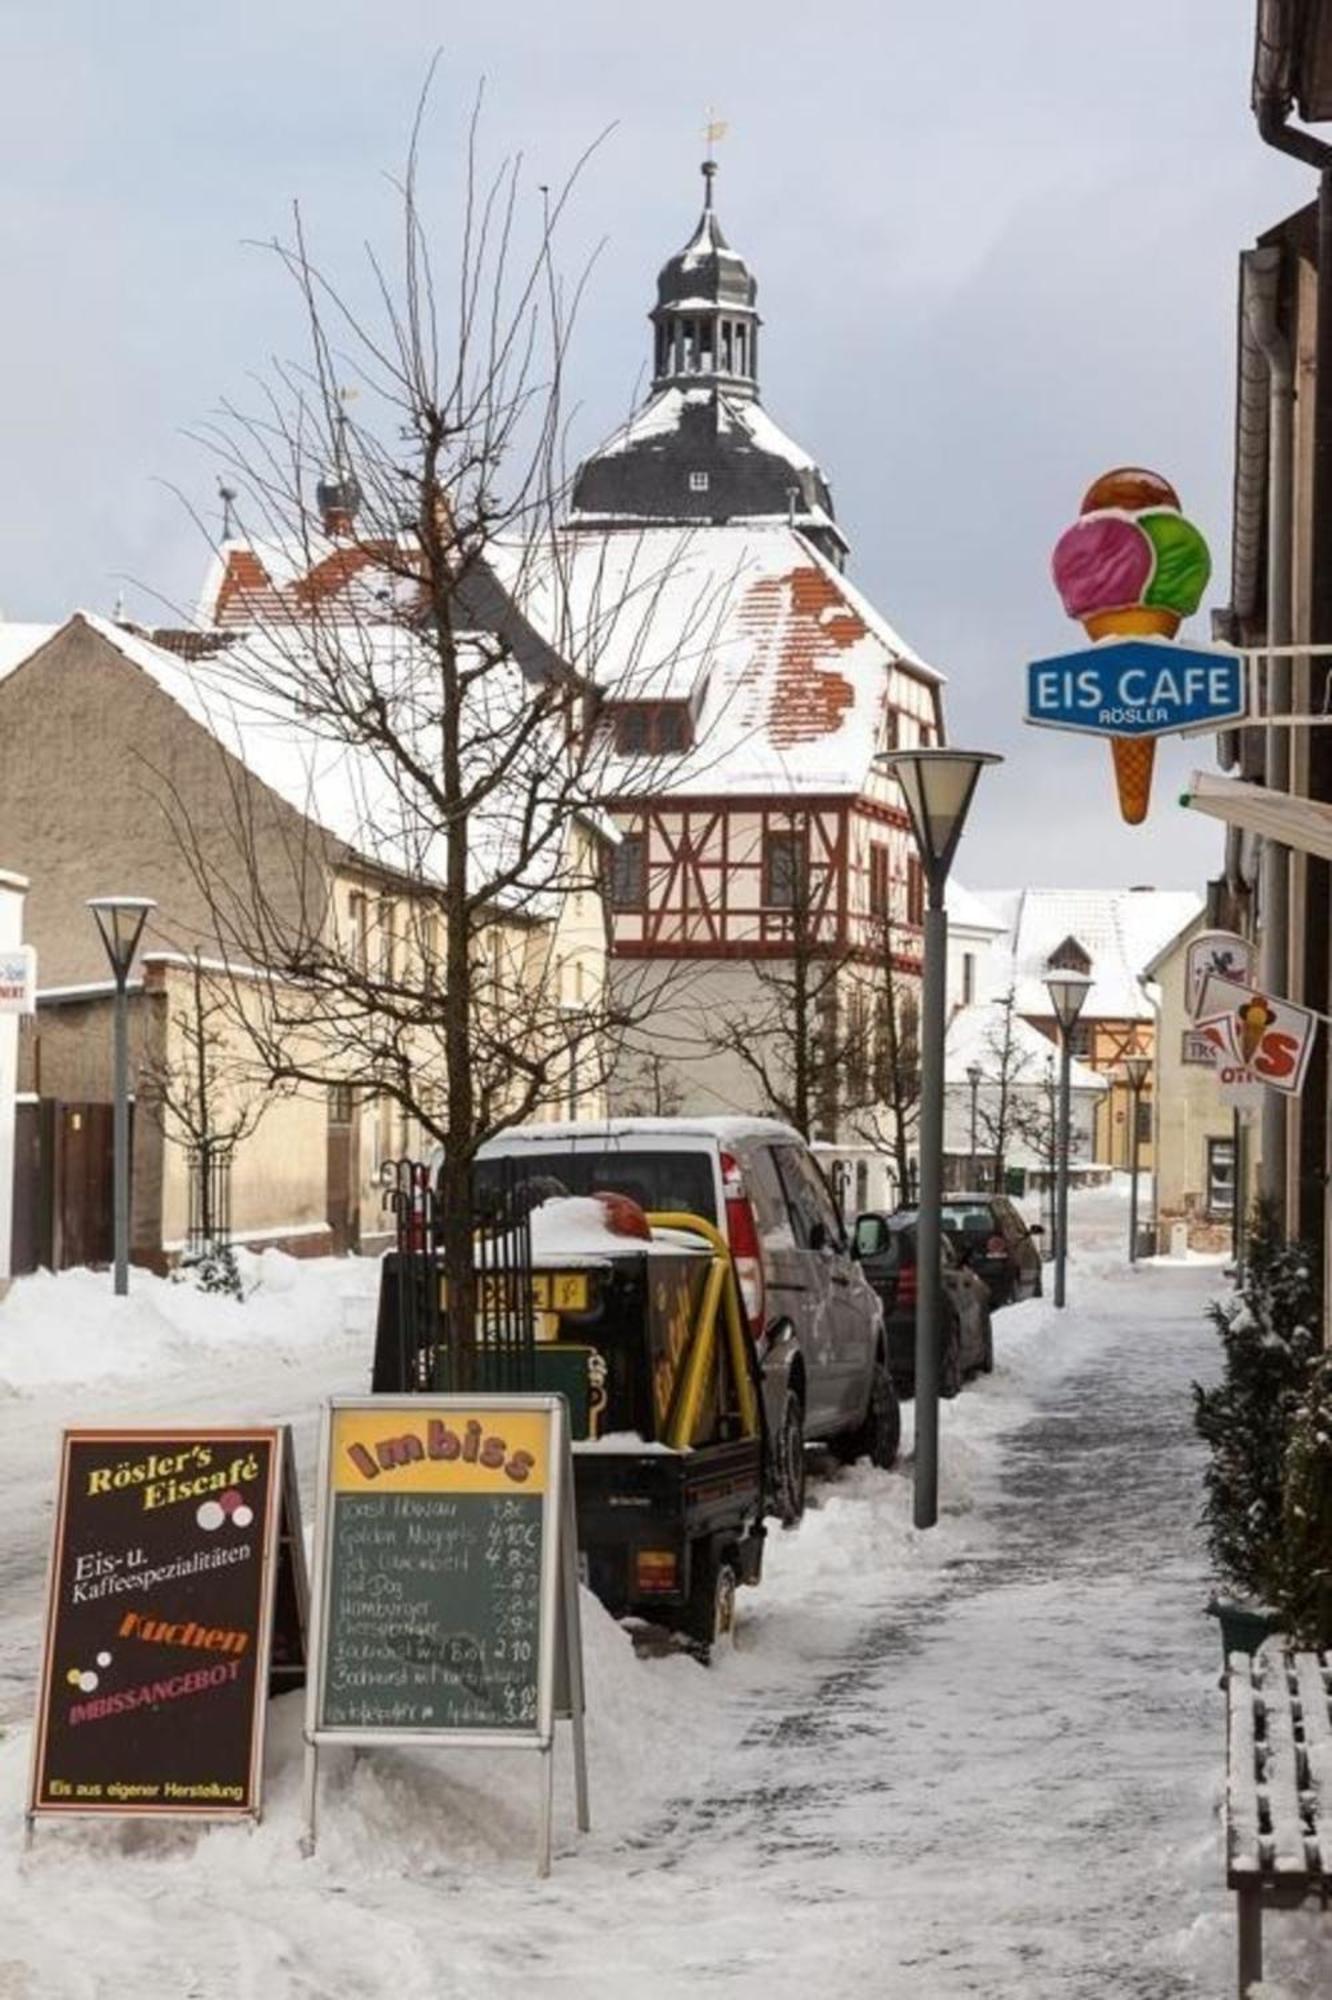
[(420, 1345), (208, 1227)]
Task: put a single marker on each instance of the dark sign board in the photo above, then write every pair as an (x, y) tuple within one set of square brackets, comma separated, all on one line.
[(160, 1627)]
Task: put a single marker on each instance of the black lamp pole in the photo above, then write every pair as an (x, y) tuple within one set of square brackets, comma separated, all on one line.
[(121, 919), (937, 788)]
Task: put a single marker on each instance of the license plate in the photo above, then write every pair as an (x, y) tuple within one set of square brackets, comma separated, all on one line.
[(552, 1291)]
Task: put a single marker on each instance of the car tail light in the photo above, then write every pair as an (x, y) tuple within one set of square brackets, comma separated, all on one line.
[(656, 1572), (743, 1237), (996, 1247), (906, 1286)]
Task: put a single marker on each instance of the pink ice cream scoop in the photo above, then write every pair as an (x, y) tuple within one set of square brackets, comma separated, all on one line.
[(1101, 562)]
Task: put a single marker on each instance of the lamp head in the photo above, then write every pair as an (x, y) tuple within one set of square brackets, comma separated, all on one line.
[(121, 919), (1068, 992), (937, 787)]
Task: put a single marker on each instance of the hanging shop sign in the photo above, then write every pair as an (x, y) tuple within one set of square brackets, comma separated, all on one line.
[(18, 980), (1131, 569), (176, 1603), (1259, 1038), (445, 1607), (1222, 952)]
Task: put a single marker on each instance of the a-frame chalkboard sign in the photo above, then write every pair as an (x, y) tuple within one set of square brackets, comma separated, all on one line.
[(445, 1584), (176, 1605)]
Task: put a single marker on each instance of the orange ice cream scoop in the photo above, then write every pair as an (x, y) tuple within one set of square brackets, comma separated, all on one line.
[(1255, 1018)]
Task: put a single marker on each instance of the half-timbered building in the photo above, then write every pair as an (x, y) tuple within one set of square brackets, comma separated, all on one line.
[(749, 687)]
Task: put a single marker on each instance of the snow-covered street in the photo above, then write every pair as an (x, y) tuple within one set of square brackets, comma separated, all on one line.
[(981, 1761)]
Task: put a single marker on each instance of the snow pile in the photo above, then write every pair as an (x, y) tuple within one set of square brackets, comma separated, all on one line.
[(71, 1328)]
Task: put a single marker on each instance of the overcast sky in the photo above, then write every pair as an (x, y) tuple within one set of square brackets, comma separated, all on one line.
[(995, 244)]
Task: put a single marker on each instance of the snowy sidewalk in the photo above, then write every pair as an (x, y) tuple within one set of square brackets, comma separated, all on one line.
[(981, 1761)]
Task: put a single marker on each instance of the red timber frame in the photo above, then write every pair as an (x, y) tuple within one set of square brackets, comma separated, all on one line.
[(692, 901)]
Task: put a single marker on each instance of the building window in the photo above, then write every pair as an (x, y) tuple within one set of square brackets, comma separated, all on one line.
[(698, 482), (358, 912), (1220, 1177), (340, 1104), (968, 977), (645, 727), (878, 880), (783, 869), (629, 872), (892, 730), (915, 892), (726, 346), (740, 350), (705, 345), (1080, 1040)]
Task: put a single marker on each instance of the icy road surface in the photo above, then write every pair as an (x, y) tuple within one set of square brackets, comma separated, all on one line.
[(981, 1761)]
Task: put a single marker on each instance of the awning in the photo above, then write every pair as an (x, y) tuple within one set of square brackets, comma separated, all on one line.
[(1305, 824)]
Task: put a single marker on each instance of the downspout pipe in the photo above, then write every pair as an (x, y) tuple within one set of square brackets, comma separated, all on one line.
[(1272, 107), (1262, 277)]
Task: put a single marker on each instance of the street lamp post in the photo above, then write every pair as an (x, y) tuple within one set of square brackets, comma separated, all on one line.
[(1068, 993), (1135, 1075), (121, 919), (973, 1078), (937, 787)]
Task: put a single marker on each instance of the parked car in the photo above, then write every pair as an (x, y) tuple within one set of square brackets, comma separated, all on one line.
[(886, 1248), (816, 1322), (989, 1234)]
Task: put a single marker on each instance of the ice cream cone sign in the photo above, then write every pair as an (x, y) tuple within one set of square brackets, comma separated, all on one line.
[(1131, 567)]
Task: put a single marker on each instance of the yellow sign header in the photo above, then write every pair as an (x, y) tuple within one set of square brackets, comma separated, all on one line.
[(402, 1448)]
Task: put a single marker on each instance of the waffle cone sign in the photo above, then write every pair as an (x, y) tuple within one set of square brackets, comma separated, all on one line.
[(1130, 569), (1259, 1037)]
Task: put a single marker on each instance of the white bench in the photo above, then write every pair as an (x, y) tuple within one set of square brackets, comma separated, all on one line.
[(1278, 1813)]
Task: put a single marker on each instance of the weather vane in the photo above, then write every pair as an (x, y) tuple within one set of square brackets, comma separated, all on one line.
[(713, 130)]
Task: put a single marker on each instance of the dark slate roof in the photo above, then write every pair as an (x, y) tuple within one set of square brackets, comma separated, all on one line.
[(753, 471)]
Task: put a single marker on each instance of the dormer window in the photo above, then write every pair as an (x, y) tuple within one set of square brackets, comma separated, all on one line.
[(698, 482), (651, 728)]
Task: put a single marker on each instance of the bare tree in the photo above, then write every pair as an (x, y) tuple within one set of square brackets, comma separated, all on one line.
[(797, 1039), (436, 692), (886, 1108), (201, 1089), (1005, 1064)]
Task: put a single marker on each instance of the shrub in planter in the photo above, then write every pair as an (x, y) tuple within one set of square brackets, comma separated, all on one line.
[(1304, 1589), (1269, 1335)]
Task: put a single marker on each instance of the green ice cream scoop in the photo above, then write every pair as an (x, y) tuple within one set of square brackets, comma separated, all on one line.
[(1182, 563)]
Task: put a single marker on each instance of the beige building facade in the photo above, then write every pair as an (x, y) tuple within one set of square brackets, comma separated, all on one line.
[(1192, 1130)]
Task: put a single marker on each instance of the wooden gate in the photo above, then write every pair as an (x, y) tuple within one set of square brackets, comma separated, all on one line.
[(63, 1185)]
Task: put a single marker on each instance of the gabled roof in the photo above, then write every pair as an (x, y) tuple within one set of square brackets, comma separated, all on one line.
[(788, 670), (972, 1036), (1121, 930), (253, 701), (285, 580), (968, 912)]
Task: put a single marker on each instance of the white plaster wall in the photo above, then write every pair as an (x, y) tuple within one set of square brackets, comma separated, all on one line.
[(12, 890)]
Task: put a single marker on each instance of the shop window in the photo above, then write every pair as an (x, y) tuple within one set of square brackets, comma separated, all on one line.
[(1220, 1177)]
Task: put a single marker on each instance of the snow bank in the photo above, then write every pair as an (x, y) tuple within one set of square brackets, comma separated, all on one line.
[(71, 1328)]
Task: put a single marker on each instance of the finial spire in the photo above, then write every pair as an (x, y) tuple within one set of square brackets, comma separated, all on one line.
[(709, 172)]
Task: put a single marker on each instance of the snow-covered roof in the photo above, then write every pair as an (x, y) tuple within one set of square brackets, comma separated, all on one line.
[(263, 701), (975, 1036), (968, 912), (788, 669), (283, 579), (1121, 930)]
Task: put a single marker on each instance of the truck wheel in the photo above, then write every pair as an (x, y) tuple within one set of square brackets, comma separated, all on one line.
[(709, 1616), (790, 1461), (879, 1437)]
